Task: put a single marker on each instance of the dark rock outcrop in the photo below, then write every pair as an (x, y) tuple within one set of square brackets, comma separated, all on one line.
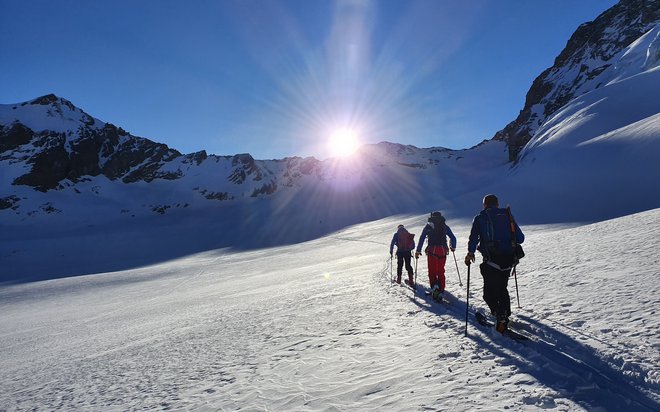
[(87, 151)]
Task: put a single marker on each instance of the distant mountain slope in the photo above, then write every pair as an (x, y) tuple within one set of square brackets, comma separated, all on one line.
[(124, 201), (55, 157), (590, 123), (589, 60)]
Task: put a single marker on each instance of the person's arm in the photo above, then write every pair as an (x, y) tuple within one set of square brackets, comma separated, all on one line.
[(475, 233), (422, 238), (473, 241), (520, 236), (393, 242), (452, 239)]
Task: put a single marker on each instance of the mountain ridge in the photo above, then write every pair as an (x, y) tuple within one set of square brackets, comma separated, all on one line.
[(71, 151), (54, 156), (578, 68)]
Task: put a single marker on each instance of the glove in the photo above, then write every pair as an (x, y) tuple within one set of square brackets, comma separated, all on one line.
[(469, 258), (391, 254), (452, 249), (416, 255)]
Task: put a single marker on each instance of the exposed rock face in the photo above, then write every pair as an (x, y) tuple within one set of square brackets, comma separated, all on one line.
[(55, 145), (244, 166), (87, 150), (95, 152), (589, 52)]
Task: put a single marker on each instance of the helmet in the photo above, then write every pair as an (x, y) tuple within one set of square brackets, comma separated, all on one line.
[(399, 227)]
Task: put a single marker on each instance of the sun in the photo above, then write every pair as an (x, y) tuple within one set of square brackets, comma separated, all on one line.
[(343, 142)]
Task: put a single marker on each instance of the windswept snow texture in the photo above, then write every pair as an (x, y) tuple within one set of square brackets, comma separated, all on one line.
[(320, 326)]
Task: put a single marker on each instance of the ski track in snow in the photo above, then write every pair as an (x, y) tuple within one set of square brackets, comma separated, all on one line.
[(320, 326)]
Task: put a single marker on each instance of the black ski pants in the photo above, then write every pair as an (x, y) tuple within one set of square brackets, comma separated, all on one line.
[(496, 293), (401, 258)]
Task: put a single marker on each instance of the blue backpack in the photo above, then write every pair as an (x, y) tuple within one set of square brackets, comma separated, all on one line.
[(498, 237)]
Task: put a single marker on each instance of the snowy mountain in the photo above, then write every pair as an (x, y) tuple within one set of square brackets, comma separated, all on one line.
[(593, 158), (591, 59), (55, 156), (134, 277)]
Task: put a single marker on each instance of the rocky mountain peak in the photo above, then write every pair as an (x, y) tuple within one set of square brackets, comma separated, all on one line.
[(590, 51), (58, 141), (57, 104)]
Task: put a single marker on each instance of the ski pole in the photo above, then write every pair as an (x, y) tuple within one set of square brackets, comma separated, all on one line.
[(391, 272), (467, 301), (415, 276), (515, 277), (457, 271)]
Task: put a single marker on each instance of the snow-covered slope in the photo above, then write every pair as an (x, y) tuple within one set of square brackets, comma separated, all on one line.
[(598, 155), (592, 57), (134, 277), (69, 176), (74, 160), (319, 326)]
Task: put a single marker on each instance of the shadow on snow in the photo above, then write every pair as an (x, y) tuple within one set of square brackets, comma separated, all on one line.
[(553, 358)]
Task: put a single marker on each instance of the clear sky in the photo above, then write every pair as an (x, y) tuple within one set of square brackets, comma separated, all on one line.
[(276, 78)]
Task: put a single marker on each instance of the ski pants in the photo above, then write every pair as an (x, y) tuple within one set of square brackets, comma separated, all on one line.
[(401, 258), (496, 293), (436, 259)]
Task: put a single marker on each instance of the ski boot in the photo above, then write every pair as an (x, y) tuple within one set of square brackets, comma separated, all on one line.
[(436, 293), (411, 281), (502, 324)]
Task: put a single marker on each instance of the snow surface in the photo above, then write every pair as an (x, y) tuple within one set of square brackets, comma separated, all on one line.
[(319, 326), (285, 302)]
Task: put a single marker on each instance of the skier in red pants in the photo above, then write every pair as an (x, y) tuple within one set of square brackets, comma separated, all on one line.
[(437, 231)]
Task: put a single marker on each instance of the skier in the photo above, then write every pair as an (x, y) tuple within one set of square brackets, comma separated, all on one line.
[(492, 231), (437, 231), (405, 243)]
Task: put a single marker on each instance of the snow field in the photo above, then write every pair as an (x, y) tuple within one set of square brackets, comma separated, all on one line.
[(319, 326)]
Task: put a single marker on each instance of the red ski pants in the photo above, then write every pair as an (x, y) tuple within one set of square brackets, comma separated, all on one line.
[(436, 258)]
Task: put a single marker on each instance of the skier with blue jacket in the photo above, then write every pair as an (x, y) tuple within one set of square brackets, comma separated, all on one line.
[(494, 233)]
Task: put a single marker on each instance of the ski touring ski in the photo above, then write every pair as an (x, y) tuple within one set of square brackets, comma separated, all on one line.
[(483, 321)]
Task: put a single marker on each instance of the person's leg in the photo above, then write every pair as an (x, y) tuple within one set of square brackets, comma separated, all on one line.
[(408, 258), (503, 299), (442, 259), (433, 270), (399, 266), (490, 287)]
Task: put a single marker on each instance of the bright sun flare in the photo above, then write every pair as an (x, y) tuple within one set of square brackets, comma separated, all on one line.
[(343, 142)]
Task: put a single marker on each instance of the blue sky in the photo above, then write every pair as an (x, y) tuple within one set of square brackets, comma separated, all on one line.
[(275, 78)]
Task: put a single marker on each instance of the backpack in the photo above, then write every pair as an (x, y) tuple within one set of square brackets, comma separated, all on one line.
[(405, 241), (439, 227), (438, 233), (498, 237)]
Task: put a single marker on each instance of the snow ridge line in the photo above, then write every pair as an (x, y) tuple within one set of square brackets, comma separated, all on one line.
[(348, 239)]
